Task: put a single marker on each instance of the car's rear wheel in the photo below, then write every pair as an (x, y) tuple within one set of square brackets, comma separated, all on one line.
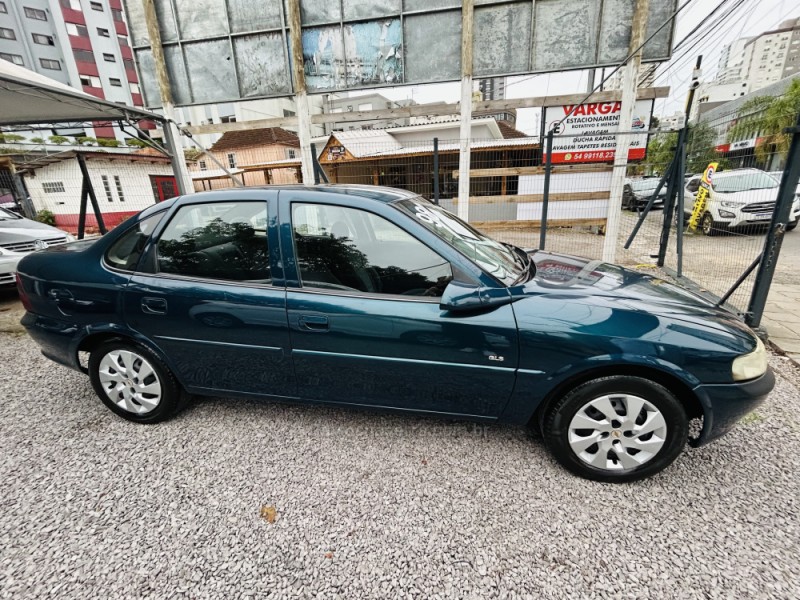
[(709, 226), (792, 225), (616, 429), (133, 382)]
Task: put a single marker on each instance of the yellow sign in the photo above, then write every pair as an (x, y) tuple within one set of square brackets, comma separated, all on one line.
[(702, 196)]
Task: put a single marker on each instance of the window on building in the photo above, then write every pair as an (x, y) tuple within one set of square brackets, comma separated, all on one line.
[(107, 188), (73, 4), (232, 160), (83, 55), (43, 40), (291, 153), (103, 32), (118, 185), (134, 88), (13, 58), (115, 82), (96, 6), (78, 30), (47, 63), (228, 119), (109, 57), (116, 14), (123, 41), (288, 113), (35, 13), (217, 241), (52, 187), (127, 64), (3, 8), (7, 34), (203, 165)]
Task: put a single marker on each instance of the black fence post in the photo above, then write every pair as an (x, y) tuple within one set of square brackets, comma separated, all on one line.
[(436, 170), (679, 210), (674, 187), (548, 166), (89, 190), (780, 218)]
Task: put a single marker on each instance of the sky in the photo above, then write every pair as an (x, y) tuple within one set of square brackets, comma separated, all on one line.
[(751, 18)]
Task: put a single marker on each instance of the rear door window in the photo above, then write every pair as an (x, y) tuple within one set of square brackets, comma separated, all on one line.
[(224, 241)]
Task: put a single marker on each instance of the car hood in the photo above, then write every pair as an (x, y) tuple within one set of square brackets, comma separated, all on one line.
[(750, 196), (25, 229), (596, 282)]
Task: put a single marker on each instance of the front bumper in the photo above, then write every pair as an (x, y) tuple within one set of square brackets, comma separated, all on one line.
[(746, 219), (724, 404)]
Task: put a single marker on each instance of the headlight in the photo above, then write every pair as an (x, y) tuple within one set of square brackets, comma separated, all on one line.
[(726, 214), (71, 238), (732, 204), (752, 365)]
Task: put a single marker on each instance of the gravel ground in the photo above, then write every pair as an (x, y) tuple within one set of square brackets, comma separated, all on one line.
[(370, 506)]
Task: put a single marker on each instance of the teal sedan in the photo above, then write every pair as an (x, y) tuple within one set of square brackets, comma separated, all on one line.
[(376, 298)]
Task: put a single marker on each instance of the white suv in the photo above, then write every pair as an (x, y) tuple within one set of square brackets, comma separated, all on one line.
[(741, 198)]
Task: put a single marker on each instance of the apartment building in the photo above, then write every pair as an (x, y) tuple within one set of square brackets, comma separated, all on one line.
[(82, 43)]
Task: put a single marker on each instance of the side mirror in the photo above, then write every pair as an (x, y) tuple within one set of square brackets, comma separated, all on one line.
[(464, 297)]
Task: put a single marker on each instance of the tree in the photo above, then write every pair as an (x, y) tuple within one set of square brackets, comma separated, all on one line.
[(193, 153), (58, 139), (766, 117)]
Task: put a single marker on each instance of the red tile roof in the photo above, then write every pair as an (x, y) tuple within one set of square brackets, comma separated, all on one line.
[(269, 136), (509, 132)]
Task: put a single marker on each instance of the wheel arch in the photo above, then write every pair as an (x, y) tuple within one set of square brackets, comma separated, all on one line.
[(681, 390)]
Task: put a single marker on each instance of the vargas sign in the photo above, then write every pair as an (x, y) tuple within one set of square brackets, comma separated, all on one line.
[(588, 134)]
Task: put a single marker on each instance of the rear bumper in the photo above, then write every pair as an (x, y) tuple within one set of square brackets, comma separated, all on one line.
[(58, 339), (725, 404)]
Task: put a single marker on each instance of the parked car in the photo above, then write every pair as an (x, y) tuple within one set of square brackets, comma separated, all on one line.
[(376, 298), (636, 193), (19, 236), (778, 175), (738, 199)]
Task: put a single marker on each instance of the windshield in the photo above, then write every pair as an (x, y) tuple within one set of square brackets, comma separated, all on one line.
[(7, 214), (495, 258), (744, 182), (646, 184)]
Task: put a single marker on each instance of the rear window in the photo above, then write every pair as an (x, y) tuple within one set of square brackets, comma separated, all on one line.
[(125, 252)]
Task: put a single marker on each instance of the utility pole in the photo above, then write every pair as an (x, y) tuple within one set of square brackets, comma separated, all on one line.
[(630, 75), (465, 131), (300, 93), (171, 133)]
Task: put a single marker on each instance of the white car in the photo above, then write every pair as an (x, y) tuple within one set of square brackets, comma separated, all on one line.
[(20, 236), (741, 198)]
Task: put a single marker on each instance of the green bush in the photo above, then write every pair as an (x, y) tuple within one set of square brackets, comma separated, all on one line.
[(135, 143), (108, 142), (58, 139), (45, 216), (10, 137), (86, 141), (37, 140)]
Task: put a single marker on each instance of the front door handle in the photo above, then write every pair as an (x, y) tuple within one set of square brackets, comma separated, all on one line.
[(154, 306), (313, 322)]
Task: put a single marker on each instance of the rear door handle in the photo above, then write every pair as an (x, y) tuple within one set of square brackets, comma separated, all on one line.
[(154, 306), (313, 322)]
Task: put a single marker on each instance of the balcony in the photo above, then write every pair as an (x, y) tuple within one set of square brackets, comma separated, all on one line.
[(137, 99), (94, 91), (87, 68), (126, 51), (120, 27), (80, 43), (73, 16), (131, 76)]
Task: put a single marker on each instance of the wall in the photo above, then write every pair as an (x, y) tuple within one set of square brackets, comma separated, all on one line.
[(134, 180), (244, 157)]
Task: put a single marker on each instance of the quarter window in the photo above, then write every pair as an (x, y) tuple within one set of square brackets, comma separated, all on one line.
[(352, 250), (225, 241), (125, 252)]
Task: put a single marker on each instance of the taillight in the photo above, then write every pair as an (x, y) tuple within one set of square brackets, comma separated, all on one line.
[(23, 295)]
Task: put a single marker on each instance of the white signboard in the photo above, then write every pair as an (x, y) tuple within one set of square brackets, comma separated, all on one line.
[(588, 134)]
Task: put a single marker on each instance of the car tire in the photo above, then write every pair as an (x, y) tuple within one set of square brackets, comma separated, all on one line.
[(612, 450), (709, 226), (792, 225), (134, 383)]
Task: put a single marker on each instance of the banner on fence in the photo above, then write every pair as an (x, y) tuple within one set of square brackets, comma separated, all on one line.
[(589, 133)]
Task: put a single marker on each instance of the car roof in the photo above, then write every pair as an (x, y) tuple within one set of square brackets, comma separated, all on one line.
[(723, 174), (373, 192)]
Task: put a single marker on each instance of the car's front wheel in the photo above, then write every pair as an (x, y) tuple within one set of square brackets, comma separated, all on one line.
[(709, 226), (792, 225), (616, 429), (133, 382)]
